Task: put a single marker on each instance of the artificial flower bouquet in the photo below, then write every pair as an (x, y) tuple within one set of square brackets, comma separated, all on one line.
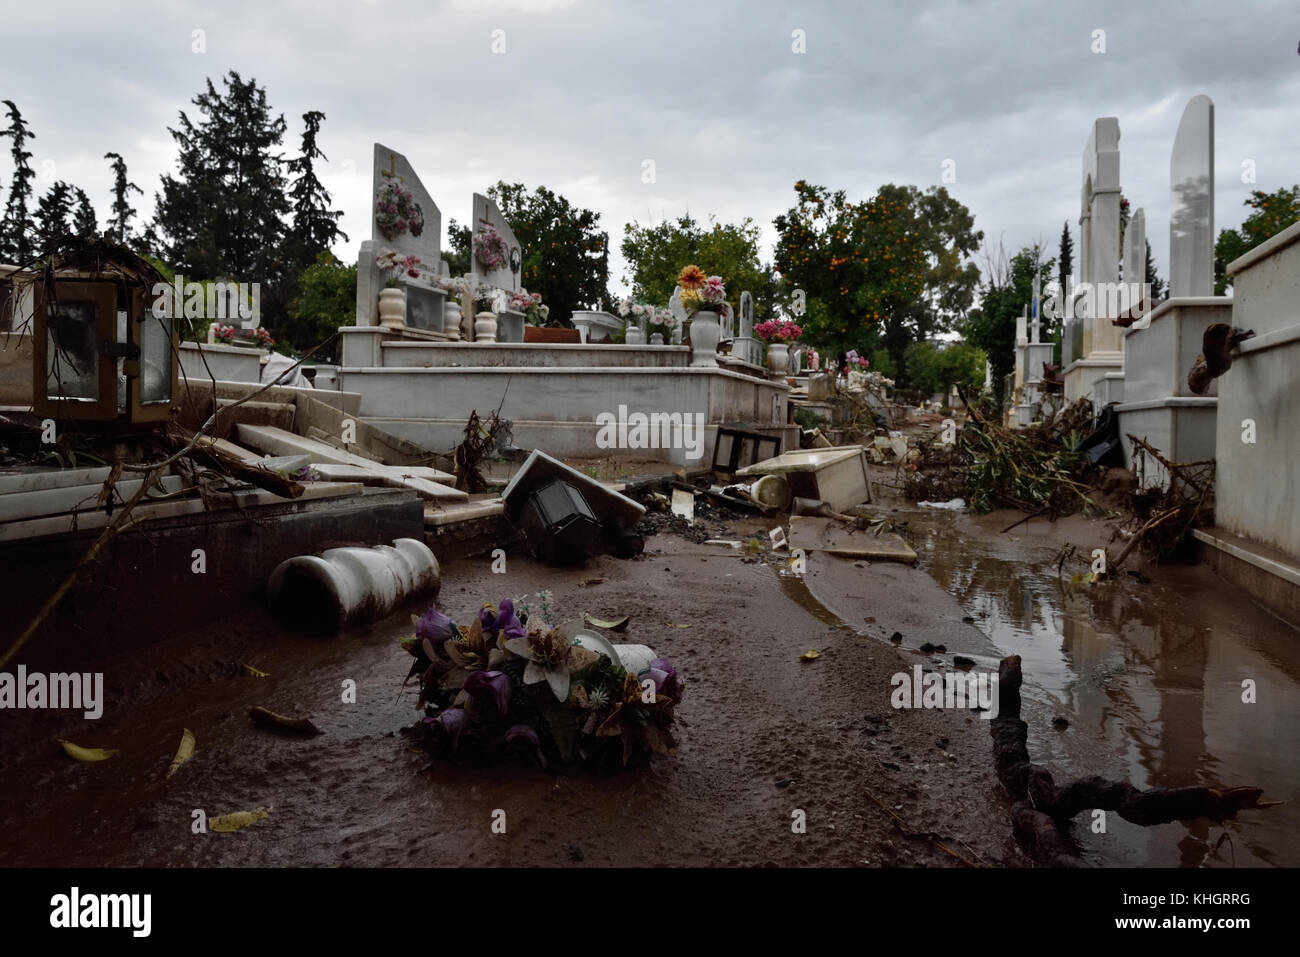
[(701, 292), (489, 248), (505, 683), (394, 264), (530, 304), (397, 212), (777, 330)]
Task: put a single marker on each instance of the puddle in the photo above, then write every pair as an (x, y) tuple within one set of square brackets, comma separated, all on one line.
[(1150, 678)]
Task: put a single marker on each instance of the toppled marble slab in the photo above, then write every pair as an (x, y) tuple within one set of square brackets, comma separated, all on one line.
[(815, 534)]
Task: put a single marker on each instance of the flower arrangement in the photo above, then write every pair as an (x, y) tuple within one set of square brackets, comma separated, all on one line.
[(658, 319), (390, 262), (489, 248), (530, 304), (508, 682), (699, 291), (777, 330), (855, 363), (456, 289), (263, 338), (487, 298), (223, 333), (396, 212)]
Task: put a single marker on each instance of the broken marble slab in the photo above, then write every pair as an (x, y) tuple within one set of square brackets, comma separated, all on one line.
[(814, 534)]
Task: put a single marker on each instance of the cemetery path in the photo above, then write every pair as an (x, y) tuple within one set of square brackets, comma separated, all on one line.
[(763, 735)]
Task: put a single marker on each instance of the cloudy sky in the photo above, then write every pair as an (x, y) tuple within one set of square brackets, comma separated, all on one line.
[(714, 93)]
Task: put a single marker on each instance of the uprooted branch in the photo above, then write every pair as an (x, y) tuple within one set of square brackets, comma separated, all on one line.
[(1042, 807)]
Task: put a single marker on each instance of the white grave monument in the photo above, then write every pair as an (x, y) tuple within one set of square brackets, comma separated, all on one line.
[(419, 235), (744, 346), (1091, 345), (1158, 405)]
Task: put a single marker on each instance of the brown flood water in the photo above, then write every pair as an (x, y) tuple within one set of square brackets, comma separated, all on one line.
[(1149, 675)]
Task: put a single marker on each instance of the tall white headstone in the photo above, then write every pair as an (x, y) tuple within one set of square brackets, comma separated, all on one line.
[(487, 217), (1191, 210), (746, 315)]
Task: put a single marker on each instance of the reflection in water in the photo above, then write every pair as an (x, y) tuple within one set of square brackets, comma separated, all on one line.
[(1150, 678)]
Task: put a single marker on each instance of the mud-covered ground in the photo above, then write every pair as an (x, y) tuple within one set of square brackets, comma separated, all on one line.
[(762, 735)]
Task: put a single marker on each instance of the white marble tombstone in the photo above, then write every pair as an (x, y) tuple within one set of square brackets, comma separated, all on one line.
[(422, 241), (676, 308), (507, 277), (1135, 260), (1191, 210), (746, 315)]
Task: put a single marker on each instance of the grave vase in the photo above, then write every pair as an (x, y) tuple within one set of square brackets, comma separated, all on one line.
[(485, 327), (635, 337), (706, 330), (392, 308), (451, 319), (656, 339), (778, 357)]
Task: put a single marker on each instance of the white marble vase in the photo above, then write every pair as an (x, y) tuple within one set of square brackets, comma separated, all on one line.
[(392, 308), (706, 330)]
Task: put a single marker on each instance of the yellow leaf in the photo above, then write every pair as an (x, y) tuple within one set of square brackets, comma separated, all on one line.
[(236, 820), (254, 673), (183, 753), (810, 655), (86, 754)]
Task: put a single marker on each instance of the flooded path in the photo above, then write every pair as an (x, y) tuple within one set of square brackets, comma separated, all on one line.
[(1148, 675)]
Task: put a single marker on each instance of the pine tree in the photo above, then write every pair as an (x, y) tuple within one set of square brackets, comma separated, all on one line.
[(1065, 258), (119, 223), (52, 216), (315, 226), (221, 217), (84, 222), (1157, 284), (16, 228)]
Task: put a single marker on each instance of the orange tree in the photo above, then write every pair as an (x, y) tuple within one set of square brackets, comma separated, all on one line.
[(884, 272)]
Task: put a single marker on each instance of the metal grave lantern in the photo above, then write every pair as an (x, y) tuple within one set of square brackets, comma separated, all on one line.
[(104, 346)]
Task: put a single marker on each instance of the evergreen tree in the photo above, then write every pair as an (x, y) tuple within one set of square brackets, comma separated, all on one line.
[(1065, 257), (315, 226), (52, 215), (16, 228), (222, 216), (119, 223), (84, 221)]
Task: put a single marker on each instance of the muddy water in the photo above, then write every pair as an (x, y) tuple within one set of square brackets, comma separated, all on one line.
[(1149, 677)]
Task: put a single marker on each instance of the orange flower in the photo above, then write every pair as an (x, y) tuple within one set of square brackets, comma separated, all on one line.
[(691, 277)]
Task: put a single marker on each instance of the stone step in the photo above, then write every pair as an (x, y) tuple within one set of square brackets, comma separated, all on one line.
[(425, 486), (33, 503), (277, 414)]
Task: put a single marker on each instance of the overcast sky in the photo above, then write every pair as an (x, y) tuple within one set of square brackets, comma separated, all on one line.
[(712, 92)]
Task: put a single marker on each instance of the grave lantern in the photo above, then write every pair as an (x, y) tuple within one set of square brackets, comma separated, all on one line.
[(100, 352)]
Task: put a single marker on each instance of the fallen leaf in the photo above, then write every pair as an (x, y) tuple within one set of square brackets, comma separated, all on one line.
[(86, 754), (273, 720), (810, 655), (254, 673), (183, 753), (237, 819), (615, 624)]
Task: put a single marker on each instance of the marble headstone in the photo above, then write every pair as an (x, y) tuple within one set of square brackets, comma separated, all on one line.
[(506, 277), (389, 167), (746, 315), (676, 308), (1191, 216)]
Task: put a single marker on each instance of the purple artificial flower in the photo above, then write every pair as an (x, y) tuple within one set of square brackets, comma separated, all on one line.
[(524, 739), (448, 726), (667, 681), (504, 620), (437, 629), (489, 693)]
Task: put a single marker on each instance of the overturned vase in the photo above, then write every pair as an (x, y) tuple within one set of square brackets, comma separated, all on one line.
[(345, 587)]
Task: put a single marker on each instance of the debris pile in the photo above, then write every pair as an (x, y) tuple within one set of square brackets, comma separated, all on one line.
[(1164, 514)]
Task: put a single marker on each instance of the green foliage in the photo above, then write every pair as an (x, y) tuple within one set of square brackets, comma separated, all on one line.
[(1273, 212), (327, 300), (119, 223), (890, 270), (992, 327), (807, 419), (1065, 256), (16, 233), (883, 362), (222, 216), (656, 255), (52, 215), (933, 369), (565, 252), (315, 226), (1158, 285)]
